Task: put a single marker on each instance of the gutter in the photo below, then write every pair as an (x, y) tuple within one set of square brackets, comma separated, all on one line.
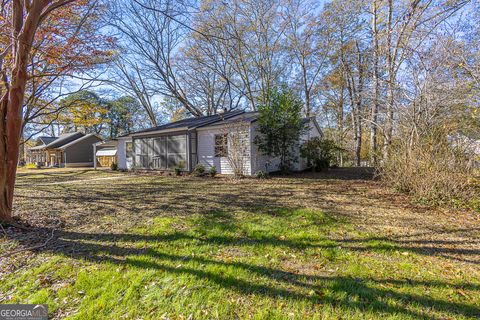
[(142, 134)]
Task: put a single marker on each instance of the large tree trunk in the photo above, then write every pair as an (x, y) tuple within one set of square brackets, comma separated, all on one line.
[(11, 105), (5, 209), (10, 131), (10, 136)]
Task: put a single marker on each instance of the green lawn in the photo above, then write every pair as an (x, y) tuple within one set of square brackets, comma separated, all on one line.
[(151, 247)]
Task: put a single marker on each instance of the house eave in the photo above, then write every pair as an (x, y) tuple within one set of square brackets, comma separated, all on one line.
[(150, 133)]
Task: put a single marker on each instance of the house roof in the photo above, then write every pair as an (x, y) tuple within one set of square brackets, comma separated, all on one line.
[(71, 143), (64, 139), (43, 141), (112, 143), (46, 140), (213, 120), (252, 116), (191, 123), (244, 116)]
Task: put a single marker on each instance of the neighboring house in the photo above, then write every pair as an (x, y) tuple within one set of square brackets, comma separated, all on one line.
[(470, 145), (37, 154), (73, 149), (206, 140)]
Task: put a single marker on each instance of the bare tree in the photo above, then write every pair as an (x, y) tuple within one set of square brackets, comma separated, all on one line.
[(375, 104), (309, 44), (131, 79), (153, 32), (407, 27), (433, 159), (248, 35), (355, 78)]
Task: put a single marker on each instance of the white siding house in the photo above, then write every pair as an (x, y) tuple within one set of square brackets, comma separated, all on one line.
[(253, 159), (261, 162), (224, 141), (206, 150)]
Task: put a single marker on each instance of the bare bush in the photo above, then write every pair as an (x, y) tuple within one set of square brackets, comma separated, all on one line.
[(237, 134), (431, 156), (434, 168)]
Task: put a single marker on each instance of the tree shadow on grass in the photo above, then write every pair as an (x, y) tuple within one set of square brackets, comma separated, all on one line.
[(378, 295), (351, 293), (34, 179), (168, 199), (53, 174), (217, 227), (346, 174)]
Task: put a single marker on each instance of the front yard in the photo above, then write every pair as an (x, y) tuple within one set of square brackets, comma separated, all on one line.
[(112, 245)]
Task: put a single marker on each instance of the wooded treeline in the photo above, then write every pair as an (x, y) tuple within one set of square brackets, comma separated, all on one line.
[(374, 72)]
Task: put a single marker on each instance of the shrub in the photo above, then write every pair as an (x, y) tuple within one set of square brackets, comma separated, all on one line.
[(114, 166), (178, 171), (179, 168), (261, 175), (212, 171), (280, 125), (199, 170), (319, 152)]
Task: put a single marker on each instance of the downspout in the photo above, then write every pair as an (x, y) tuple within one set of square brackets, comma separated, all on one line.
[(95, 156), (189, 152), (196, 148)]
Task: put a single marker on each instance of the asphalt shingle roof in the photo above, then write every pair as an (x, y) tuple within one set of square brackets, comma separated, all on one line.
[(64, 139), (46, 140), (194, 122), (72, 142)]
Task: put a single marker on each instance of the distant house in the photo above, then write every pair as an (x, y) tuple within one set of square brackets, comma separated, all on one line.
[(73, 149), (203, 140)]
